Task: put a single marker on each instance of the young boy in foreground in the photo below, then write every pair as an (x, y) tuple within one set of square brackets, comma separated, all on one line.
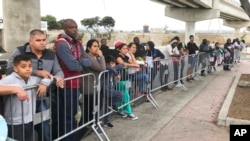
[(18, 111)]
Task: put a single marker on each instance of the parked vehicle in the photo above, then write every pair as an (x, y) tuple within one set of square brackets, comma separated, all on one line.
[(4, 57)]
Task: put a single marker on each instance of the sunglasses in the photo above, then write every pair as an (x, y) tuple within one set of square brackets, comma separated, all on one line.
[(40, 64)]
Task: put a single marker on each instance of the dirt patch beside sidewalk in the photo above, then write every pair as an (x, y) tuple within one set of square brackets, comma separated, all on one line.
[(240, 106)]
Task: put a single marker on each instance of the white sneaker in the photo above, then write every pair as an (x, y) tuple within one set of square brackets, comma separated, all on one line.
[(132, 116)]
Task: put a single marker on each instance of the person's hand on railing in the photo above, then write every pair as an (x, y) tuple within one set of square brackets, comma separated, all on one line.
[(21, 94), (41, 90), (157, 58), (59, 81), (117, 78)]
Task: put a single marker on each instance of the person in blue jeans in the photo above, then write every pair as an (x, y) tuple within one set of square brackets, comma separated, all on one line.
[(138, 75), (109, 92)]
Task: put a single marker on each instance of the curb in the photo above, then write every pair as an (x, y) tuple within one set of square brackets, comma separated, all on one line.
[(223, 120)]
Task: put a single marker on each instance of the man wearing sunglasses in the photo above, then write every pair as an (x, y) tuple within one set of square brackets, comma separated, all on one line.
[(44, 64)]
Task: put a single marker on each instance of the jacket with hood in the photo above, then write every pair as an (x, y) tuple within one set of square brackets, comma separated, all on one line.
[(69, 53)]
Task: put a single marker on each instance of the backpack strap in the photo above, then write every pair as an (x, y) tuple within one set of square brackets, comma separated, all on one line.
[(61, 39)]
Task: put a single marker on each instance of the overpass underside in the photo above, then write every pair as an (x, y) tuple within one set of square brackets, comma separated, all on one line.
[(229, 10), (191, 11)]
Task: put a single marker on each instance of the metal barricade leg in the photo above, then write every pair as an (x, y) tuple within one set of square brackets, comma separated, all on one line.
[(149, 87)]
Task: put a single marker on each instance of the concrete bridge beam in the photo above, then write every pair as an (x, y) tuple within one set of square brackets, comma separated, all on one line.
[(190, 16), (187, 14), (236, 24), (18, 21)]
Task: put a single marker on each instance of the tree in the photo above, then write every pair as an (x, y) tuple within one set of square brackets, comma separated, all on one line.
[(91, 24), (108, 23), (52, 23)]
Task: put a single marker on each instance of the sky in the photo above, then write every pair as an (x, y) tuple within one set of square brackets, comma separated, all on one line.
[(128, 14)]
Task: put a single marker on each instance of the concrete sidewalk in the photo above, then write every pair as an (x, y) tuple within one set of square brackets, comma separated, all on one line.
[(182, 115)]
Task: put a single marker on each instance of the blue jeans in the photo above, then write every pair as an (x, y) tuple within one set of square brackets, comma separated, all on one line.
[(43, 129), (18, 131), (164, 73), (176, 71), (111, 97), (140, 78), (68, 100)]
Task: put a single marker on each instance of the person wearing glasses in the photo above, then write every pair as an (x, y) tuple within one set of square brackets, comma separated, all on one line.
[(73, 59), (44, 64)]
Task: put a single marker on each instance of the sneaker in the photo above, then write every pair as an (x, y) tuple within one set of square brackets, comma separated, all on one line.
[(181, 82), (99, 131), (108, 125), (179, 85), (132, 116), (122, 114)]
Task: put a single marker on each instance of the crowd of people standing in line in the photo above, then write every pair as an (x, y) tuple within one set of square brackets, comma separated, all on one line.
[(32, 63)]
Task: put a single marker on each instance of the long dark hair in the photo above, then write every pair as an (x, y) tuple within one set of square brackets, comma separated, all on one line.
[(90, 43)]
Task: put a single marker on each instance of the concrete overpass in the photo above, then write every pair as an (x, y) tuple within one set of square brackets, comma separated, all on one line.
[(191, 11)]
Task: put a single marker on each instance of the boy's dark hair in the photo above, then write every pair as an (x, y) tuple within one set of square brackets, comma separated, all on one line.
[(20, 58), (110, 59), (191, 36)]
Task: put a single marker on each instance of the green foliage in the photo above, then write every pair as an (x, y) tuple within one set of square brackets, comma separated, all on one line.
[(108, 23), (91, 23), (94, 24), (52, 23)]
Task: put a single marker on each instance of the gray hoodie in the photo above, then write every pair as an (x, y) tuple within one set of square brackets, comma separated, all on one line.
[(15, 111)]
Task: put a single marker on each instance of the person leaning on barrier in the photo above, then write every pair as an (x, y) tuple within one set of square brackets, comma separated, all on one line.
[(204, 55), (97, 65), (138, 75), (108, 90), (228, 49), (164, 69), (44, 63), (174, 54), (19, 107), (153, 55), (72, 59), (140, 49), (182, 50), (192, 50), (122, 85)]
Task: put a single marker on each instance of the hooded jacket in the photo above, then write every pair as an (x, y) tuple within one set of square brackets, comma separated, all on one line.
[(69, 53)]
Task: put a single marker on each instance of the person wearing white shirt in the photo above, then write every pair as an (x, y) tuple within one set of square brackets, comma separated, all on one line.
[(171, 52)]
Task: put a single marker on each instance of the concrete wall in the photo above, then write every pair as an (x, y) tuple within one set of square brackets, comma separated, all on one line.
[(160, 39), (20, 17), (1, 37)]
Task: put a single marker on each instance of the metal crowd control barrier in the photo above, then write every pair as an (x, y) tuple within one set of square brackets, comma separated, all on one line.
[(82, 118), (15, 117), (97, 101)]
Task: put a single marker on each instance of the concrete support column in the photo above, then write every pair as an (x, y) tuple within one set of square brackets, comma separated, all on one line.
[(236, 32), (19, 18), (190, 30)]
